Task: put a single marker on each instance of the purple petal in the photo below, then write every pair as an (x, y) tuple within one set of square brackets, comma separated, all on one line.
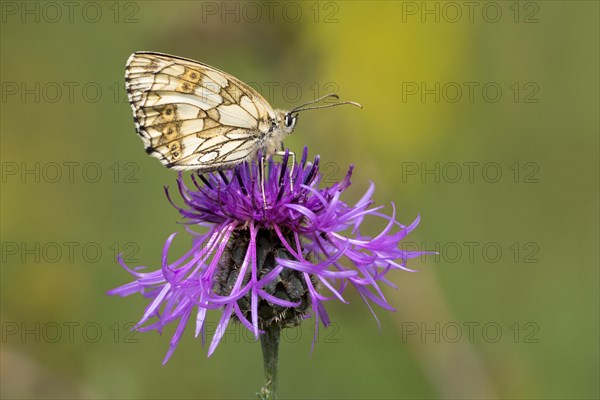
[(221, 328)]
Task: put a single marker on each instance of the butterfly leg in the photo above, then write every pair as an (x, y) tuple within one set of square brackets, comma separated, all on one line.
[(293, 155), (262, 181)]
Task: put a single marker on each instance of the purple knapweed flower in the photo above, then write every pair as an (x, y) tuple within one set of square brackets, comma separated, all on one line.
[(268, 265)]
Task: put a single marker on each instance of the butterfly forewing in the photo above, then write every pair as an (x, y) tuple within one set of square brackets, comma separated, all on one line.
[(192, 116)]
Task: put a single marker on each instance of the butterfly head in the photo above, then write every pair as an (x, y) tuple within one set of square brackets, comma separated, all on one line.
[(286, 121)]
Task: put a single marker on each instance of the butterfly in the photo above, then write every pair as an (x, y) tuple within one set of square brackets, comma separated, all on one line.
[(195, 117)]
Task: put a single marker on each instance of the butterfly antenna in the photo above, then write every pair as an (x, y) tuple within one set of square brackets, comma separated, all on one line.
[(315, 101)]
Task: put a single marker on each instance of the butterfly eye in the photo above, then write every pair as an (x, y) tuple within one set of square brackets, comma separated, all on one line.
[(289, 120)]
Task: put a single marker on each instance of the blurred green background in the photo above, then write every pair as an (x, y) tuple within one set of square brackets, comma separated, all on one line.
[(480, 117)]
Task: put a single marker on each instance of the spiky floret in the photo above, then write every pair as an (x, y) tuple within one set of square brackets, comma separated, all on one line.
[(274, 265)]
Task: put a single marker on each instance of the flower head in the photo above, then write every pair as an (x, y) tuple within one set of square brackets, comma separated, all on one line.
[(273, 264)]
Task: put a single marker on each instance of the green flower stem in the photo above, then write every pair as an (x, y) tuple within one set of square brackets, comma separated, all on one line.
[(270, 347)]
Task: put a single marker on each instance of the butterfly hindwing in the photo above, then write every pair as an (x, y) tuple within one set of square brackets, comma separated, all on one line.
[(192, 116)]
